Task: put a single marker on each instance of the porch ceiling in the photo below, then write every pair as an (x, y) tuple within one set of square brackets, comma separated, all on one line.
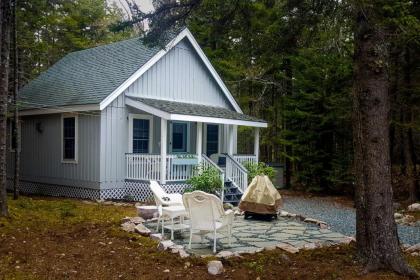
[(172, 110)]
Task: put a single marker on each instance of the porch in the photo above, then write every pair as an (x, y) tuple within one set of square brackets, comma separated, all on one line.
[(167, 140)]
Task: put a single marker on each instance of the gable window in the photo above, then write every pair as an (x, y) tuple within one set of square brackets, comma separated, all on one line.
[(69, 138), (140, 133)]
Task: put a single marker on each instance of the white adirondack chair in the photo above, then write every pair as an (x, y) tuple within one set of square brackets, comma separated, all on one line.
[(163, 199), (206, 214)]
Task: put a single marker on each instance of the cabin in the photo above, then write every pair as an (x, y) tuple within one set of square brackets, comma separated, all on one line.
[(102, 122)]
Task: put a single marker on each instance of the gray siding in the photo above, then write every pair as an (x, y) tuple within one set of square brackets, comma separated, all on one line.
[(41, 152), (180, 76)]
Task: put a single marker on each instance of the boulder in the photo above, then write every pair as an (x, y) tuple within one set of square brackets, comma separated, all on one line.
[(134, 220), (147, 212), (398, 216), (225, 254), (183, 254), (284, 213), (414, 207), (156, 236), (165, 245), (141, 229), (287, 248), (128, 227), (414, 248), (215, 267), (407, 219)]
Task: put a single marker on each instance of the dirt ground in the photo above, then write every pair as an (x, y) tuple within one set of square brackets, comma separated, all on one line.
[(49, 238)]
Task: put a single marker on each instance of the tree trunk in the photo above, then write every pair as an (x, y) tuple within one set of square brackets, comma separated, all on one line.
[(5, 14), (16, 134), (288, 150), (376, 230)]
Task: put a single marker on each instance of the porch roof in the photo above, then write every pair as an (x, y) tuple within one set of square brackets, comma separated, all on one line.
[(180, 111)]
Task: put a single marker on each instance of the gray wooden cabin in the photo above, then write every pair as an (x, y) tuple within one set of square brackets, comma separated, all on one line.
[(103, 122)]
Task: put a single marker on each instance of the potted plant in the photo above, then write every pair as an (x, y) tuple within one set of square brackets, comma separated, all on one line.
[(207, 180)]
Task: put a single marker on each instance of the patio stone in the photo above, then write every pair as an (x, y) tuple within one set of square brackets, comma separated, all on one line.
[(265, 244)]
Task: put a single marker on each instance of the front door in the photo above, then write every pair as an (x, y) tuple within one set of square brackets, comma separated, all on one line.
[(212, 142), (179, 137)]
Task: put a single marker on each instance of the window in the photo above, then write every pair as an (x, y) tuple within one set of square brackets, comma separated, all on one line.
[(179, 137), (69, 133), (212, 139), (141, 128), (140, 133)]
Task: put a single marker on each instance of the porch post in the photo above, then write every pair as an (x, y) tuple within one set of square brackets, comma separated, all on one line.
[(257, 143), (163, 144), (230, 140), (199, 144)]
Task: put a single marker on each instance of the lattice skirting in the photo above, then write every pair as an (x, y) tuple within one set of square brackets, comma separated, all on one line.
[(139, 191), (27, 187), (133, 190)]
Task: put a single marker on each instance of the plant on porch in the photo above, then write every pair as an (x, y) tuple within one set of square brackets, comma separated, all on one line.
[(205, 179), (260, 168)]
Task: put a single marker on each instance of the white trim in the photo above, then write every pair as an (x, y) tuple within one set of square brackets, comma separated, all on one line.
[(189, 118), (131, 117), (183, 34), (76, 138), (58, 110)]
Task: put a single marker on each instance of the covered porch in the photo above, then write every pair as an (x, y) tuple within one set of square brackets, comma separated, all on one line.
[(168, 139)]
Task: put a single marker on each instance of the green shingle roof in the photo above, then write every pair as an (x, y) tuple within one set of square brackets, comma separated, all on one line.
[(181, 108), (88, 76)]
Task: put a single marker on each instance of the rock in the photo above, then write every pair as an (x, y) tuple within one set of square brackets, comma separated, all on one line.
[(287, 248), (166, 271), (228, 206), (407, 219), (89, 202), (176, 248), (100, 200), (284, 213), (129, 227), (156, 236), (270, 248), (309, 246), (238, 213), (215, 267), (310, 220), (134, 220), (141, 229), (183, 254), (398, 216), (414, 248), (415, 254), (225, 254), (165, 245), (285, 258), (323, 226), (414, 207), (147, 212), (187, 265), (347, 240)]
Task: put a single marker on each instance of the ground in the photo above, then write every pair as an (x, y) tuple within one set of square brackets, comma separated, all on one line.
[(48, 238)]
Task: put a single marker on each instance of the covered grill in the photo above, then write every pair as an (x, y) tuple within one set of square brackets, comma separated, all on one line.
[(261, 197)]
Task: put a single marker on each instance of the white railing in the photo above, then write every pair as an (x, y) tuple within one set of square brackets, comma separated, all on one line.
[(143, 166), (178, 172), (206, 162), (244, 159), (236, 173)]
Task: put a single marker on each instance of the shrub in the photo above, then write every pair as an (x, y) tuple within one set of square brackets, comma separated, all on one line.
[(206, 180), (260, 168)]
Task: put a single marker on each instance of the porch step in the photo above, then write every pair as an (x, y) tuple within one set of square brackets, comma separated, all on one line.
[(232, 194)]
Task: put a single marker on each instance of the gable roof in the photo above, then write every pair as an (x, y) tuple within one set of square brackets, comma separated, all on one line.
[(99, 75)]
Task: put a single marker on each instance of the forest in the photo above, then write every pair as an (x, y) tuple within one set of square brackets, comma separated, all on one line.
[(337, 81)]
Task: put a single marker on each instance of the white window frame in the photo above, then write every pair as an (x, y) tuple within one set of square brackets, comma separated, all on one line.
[(188, 142), (76, 138), (131, 117)]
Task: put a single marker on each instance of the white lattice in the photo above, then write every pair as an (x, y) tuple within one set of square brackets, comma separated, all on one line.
[(133, 190), (27, 187)]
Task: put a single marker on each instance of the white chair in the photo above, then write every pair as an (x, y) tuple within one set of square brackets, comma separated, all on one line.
[(163, 199), (206, 214)]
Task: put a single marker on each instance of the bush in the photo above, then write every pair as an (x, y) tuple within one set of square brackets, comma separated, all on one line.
[(207, 180), (260, 168)]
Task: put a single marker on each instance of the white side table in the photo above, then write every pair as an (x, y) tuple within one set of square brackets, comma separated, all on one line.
[(173, 212)]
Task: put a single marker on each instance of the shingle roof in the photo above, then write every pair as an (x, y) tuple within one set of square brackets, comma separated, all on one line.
[(88, 76), (181, 108)]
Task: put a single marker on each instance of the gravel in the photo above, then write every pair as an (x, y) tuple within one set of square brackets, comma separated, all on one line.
[(340, 218)]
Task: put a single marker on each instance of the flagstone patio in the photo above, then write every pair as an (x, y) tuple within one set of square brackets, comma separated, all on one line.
[(251, 235)]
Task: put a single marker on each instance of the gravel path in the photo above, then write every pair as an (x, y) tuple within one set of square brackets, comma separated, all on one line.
[(340, 218)]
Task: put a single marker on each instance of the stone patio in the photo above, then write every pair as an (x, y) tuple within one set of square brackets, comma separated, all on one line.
[(252, 235)]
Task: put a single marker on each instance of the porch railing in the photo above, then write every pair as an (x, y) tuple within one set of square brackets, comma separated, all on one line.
[(236, 173), (244, 159), (147, 167), (143, 166), (206, 162)]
